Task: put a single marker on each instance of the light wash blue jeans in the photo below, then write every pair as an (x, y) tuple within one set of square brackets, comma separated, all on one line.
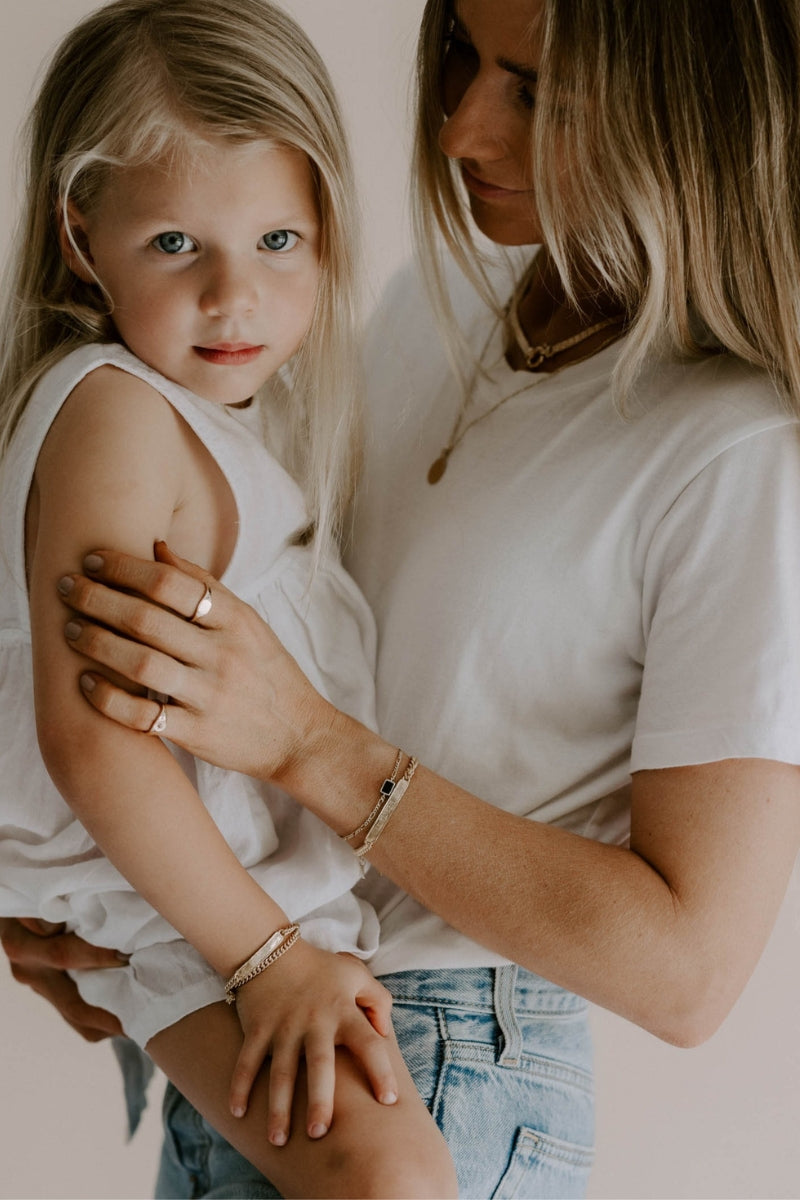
[(502, 1059)]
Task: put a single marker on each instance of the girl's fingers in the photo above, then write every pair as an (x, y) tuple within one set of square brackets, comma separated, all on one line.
[(321, 1071), (248, 1064), (282, 1079), (376, 1005), (373, 1054)]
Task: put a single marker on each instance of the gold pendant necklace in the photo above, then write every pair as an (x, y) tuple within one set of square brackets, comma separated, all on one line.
[(438, 468), (534, 357)]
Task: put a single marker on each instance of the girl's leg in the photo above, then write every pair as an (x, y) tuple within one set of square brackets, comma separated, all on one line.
[(371, 1150)]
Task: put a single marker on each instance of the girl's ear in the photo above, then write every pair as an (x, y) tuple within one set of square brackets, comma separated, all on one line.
[(73, 240)]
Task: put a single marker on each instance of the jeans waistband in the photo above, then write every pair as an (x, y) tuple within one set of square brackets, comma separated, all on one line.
[(510, 994), (479, 989)]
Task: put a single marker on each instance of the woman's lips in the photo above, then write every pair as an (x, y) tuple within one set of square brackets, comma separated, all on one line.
[(229, 354), (488, 191)]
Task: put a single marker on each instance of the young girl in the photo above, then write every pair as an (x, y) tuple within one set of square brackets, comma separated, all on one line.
[(188, 235)]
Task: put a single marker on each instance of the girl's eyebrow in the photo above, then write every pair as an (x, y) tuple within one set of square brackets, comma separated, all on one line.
[(528, 74)]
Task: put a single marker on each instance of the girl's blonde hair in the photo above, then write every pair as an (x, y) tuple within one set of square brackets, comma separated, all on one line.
[(139, 80), (665, 152)]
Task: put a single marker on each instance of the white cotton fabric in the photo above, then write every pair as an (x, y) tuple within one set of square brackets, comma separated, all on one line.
[(49, 866), (583, 594)]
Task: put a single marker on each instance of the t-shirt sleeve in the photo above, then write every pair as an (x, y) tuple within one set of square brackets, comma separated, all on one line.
[(721, 612)]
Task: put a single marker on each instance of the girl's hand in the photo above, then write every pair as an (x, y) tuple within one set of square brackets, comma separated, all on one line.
[(303, 1006), (237, 698)]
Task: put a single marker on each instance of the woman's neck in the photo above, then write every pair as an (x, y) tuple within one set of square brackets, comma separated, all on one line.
[(547, 317)]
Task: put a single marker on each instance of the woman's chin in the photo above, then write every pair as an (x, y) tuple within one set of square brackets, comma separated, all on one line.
[(504, 228)]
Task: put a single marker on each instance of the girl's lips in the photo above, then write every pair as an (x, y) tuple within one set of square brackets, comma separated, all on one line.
[(487, 191), (229, 355)]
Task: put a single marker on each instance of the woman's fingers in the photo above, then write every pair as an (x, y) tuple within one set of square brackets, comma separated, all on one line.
[(38, 960), (136, 712), (168, 581), (26, 949), (141, 665)]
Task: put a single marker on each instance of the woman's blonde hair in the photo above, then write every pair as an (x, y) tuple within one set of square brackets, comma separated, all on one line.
[(665, 152), (139, 80)]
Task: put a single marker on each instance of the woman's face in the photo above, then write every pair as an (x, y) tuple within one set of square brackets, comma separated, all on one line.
[(488, 90)]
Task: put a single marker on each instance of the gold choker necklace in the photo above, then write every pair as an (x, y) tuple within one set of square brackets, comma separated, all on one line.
[(534, 357)]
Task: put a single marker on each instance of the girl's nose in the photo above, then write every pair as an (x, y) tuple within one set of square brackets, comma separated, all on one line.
[(230, 289)]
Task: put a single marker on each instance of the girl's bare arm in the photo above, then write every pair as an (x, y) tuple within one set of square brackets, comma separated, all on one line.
[(112, 465)]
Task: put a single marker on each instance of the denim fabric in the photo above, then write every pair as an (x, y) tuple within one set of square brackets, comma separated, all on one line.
[(502, 1059)]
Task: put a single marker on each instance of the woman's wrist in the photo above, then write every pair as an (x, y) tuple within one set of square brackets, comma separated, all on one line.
[(338, 771)]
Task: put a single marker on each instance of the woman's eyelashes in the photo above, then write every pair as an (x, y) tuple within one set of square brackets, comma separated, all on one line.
[(461, 65), (525, 95), (174, 242)]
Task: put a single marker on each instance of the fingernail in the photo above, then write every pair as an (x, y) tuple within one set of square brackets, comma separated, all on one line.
[(123, 958), (87, 683), (72, 630), (278, 1138), (66, 585), (318, 1130), (389, 1098), (238, 1111), (92, 562)]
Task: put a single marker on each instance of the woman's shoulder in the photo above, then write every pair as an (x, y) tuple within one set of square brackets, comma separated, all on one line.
[(716, 400)]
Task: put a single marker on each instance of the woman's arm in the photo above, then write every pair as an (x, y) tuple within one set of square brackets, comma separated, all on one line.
[(665, 932)]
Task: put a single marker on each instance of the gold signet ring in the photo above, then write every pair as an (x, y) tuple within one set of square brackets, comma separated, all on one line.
[(204, 605)]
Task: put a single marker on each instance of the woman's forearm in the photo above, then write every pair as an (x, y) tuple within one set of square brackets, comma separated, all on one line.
[(665, 933)]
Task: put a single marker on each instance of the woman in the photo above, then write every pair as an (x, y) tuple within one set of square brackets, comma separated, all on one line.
[(583, 560)]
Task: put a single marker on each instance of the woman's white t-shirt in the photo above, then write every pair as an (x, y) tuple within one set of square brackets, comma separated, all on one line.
[(583, 594)]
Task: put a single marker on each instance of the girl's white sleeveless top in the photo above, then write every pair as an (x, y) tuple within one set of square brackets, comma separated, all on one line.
[(49, 866)]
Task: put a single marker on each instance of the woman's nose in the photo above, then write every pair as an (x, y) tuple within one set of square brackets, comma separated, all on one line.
[(230, 289), (478, 123)]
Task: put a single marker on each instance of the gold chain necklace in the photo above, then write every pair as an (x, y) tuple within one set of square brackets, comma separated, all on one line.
[(534, 357)]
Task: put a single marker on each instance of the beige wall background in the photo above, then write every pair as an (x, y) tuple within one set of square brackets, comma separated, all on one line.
[(717, 1122)]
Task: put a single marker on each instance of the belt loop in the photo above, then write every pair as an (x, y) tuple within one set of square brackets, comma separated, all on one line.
[(505, 984)]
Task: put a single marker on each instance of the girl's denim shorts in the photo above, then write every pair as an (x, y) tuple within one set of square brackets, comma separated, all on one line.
[(501, 1057)]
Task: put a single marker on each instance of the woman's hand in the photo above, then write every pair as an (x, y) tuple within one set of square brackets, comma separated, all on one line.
[(303, 1006), (40, 956), (236, 697)]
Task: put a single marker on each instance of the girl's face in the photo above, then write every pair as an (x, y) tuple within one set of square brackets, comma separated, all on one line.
[(212, 267), (488, 91)]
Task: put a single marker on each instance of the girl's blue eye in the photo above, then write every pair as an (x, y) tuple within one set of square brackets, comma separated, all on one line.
[(279, 239), (174, 242)]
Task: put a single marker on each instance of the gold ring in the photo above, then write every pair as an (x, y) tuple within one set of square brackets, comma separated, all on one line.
[(204, 605), (160, 723)]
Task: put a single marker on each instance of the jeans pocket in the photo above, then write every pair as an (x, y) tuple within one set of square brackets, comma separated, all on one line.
[(544, 1167)]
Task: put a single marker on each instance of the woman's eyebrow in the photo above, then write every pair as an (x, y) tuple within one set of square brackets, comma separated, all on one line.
[(529, 74)]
